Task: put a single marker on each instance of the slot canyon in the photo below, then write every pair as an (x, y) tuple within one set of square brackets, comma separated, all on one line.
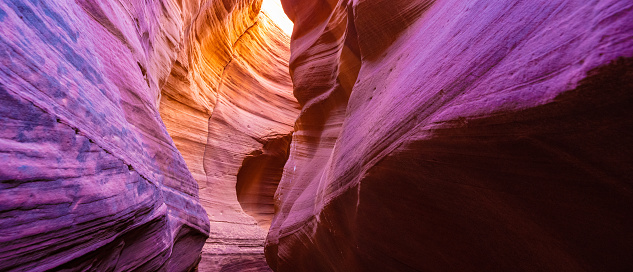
[(375, 135)]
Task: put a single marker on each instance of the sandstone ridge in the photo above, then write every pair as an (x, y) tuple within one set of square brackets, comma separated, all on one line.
[(458, 135)]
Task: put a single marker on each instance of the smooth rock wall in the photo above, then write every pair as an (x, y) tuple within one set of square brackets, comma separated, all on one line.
[(190, 92), (229, 93), (90, 179), (458, 136), (255, 105)]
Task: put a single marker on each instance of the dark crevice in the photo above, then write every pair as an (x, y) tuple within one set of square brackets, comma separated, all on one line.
[(259, 176)]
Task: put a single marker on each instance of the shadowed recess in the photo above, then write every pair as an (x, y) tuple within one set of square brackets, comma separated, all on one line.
[(259, 176)]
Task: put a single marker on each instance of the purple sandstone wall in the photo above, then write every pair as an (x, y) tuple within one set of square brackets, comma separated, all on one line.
[(455, 135)]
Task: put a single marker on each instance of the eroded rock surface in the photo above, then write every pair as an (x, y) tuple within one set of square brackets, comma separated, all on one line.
[(458, 135), (228, 95), (90, 179)]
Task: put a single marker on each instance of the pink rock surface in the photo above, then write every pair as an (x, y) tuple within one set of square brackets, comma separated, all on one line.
[(458, 135), (432, 135), (90, 179)]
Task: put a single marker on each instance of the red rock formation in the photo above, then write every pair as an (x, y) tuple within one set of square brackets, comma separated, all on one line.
[(221, 110), (90, 177), (433, 135), (255, 106), (458, 135)]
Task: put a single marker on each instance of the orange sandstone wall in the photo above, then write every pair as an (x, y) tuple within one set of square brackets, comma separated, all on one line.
[(229, 93)]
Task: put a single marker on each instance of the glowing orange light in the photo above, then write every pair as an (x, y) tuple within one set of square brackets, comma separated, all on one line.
[(273, 9)]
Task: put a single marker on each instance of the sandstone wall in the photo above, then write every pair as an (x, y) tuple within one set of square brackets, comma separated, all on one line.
[(92, 94), (90, 178), (229, 93), (458, 135)]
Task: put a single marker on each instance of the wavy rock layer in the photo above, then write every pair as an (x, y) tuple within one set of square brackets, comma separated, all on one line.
[(228, 95), (458, 135), (255, 106), (90, 179)]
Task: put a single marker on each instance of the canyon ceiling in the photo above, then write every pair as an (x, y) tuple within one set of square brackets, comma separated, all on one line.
[(383, 135)]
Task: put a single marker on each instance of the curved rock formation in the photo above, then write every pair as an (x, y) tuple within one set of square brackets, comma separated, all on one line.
[(431, 135), (229, 93), (90, 177), (458, 135), (255, 106), (259, 176)]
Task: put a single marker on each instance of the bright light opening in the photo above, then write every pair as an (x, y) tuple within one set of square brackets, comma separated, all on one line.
[(273, 9)]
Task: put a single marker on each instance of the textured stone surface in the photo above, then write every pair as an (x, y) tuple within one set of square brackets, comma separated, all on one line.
[(255, 106), (228, 95), (259, 176), (89, 178), (433, 135), (458, 135)]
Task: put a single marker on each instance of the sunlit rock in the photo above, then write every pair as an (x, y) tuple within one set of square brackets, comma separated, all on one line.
[(92, 94), (219, 113)]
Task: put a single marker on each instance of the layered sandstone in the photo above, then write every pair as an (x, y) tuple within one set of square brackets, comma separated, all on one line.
[(91, 92), (458, 135), (433, 135), (90, 179), (228, 95), (249, 103)]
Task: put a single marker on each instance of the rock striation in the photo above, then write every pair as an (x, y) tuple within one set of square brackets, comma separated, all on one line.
[(125, 124), (90, 179), (408, 135), (229, 94), (458, 135)]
